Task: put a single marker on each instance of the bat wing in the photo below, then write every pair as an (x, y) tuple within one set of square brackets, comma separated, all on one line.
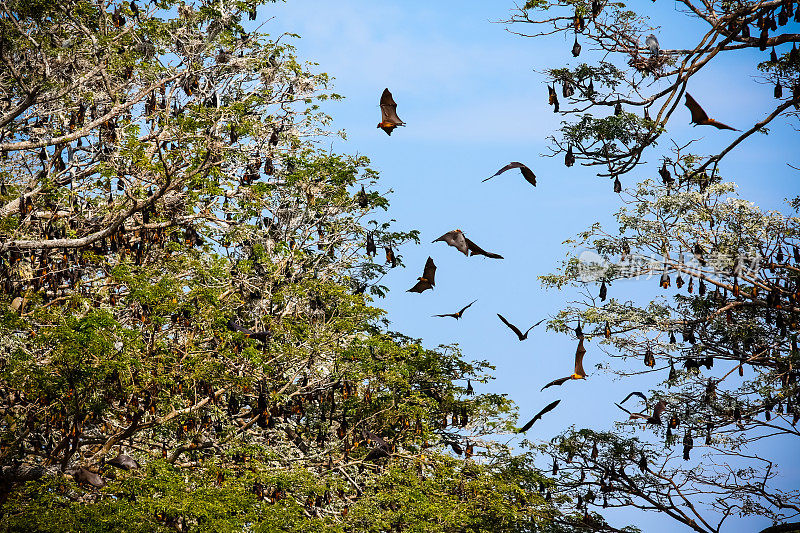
[(429, 272), (455, 239), (538, 415), (454, 315), (466, 307), (477, 250), (559, 381), (513, 328), (533, 326), (720, 125), (389, 109), (579, 353), (698, 115), (660, 407), (635, 393)]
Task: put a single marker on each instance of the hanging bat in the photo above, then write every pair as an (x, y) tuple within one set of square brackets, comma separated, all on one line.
[(361, 198), (458, 314), (538, 415), (552, 98), (389, 118), (603, 291), (576, 48), (455, 239), (426, 281), (579, 372), (527, 173), (700, 118), (474, 249), (124, 462), (516, 330), (569, 157), (635, 393), (262, 336)]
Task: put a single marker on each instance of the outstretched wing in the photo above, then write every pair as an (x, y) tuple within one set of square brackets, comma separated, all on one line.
[(477, 250), (389, 109), (698, 115), (533, 326), (429, 272), (513, 328), (454, 315), (421, 286), (635, 393), (538, 415), (559, 381), (455, 239), (466, 307), (660, 407)]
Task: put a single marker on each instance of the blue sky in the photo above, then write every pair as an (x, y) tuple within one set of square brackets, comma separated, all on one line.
[(474, 99)]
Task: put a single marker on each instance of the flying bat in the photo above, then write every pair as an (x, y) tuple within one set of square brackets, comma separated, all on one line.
[(262, 336), (455, 239), (474, 249), (579, 372), (516, 330), (700, 118), (426, 281), (655, 419), (389, 118), (530, 423), (527, 173), (458, 314), (124, 462)]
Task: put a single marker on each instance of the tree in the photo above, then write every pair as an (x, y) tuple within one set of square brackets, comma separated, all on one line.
[(725, 343), (653, 79), (188, 343)]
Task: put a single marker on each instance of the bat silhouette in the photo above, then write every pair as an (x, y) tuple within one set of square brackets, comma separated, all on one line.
[(579, 372), (700, 117), (538, 415), (458, 314), (516, 330), (655, 419), (635, 393), (371, 248), (426, 281), (569, 157), (262, 336), (389, 118), (455, 238), (361, 198), (527, 173), (124, 462), (576, 48), (474, 249)]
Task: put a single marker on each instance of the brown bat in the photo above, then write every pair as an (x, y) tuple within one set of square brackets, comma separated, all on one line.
[(458, 314), (516, 330), (538, 415), (426, 281), (552, 98), (389, 118), (455, 239), (700, 118), (262, 336), (527, 173), (660, 407), (579, 372), (124, 462)]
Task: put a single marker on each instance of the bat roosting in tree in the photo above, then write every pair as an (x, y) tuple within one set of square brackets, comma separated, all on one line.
[(458, 314), (389, 118), (516, 330), (527, 173), (579, 372), (549, 407), (426, 281), (262, 336), (700, 117)]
